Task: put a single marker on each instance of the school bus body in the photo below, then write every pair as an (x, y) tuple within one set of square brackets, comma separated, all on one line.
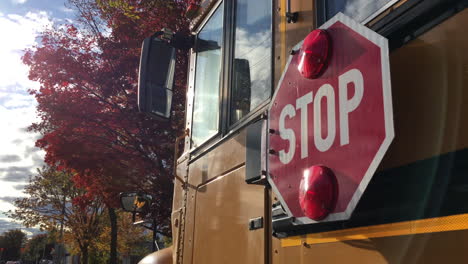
[(415, 210)]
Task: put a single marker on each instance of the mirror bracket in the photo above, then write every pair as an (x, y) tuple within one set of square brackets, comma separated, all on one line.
[(176, 40)]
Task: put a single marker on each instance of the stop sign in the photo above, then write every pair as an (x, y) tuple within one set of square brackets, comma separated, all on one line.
[(341, 121)]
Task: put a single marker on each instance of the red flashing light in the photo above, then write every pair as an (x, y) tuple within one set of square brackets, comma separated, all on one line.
[(314, 54), (318, 192)]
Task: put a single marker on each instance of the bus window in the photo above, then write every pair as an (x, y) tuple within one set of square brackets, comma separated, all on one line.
[(207, 79), (359, 10), (251, 73)]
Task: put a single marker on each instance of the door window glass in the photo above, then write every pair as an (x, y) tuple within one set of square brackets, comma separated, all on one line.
[(251, 73), (207, 79), (359, 10)]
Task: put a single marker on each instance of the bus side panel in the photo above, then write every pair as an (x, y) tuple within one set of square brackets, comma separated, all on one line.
[(429, 81), (178, 209), (224, 208), (218, 161), (182, 173), (221, 205), (189, 226), (443, 247), (429, 87), (287, 35)]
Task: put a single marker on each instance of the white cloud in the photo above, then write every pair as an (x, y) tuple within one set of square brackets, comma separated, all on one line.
[(19, 1), (256, 49), (16, 100), (17, 107), (18, 33), (359, 10), (66, 9), (14, 139)]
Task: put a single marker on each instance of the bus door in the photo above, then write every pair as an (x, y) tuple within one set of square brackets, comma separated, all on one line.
[(230, 85)]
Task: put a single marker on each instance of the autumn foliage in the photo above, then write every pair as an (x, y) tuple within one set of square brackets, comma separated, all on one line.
[(87, 101), (50, 205)]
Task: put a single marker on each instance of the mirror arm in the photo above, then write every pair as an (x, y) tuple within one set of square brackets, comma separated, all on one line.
[(176, 151), (206, 45), (177, 40), (182, 42)]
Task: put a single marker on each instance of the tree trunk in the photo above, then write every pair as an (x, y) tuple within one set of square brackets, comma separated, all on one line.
[(84, 255), (113, 242)]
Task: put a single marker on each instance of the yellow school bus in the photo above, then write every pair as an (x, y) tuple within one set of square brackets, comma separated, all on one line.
[(415, 207)]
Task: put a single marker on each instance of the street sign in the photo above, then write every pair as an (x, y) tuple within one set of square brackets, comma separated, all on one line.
[(340, 123)]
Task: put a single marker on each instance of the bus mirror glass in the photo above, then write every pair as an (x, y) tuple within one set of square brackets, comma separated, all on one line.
[(156, 77), (135, 202)]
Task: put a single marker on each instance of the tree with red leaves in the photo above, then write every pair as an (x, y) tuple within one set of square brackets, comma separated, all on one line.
[(87, 101)]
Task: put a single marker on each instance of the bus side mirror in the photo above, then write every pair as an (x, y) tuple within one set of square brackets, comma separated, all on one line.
[(134, 202), (156, 77)]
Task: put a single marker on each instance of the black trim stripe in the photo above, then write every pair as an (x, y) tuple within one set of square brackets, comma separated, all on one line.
[(435, 187)]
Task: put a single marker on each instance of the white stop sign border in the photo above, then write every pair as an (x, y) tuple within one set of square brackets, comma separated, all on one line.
[(382, 43)]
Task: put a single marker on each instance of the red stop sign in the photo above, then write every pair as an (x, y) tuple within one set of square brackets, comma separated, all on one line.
[(342, 120)]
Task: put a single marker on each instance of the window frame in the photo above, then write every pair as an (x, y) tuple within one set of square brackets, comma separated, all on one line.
[(414, 18), (409, 20), (194, 55), (255, 112), (225, 129), (321, 14)]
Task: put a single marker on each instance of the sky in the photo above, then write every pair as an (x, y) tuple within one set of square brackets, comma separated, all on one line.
[(20, 23)]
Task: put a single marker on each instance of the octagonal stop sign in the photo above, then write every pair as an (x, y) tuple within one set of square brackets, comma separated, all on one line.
[(340, 123)]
